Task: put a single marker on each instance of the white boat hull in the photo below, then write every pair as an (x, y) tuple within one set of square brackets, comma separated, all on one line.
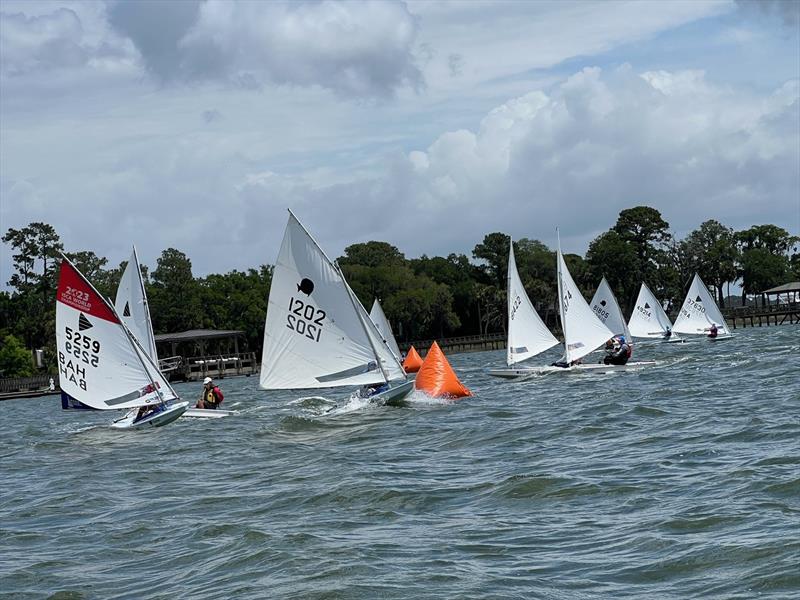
[(394, 394), (720, 338), (159, 419), (526, 373), (205, 413)]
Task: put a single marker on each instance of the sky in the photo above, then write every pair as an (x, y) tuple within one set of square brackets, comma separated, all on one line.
[(196, 124)]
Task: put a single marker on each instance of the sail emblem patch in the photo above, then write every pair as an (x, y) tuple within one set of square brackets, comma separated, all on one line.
[(126, 312), (698, 299), (84, 323), (646, 305), (306, 286)]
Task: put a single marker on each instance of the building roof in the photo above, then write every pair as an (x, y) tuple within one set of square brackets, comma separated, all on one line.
[(198, 334), (793, 286)]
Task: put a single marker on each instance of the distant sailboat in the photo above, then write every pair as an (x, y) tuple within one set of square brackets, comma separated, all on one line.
[(317, 334), (527, 333), (101, 363), (383, 326), (584, 332), (649, 320), (605, 306), (699, 312), (132, 308)]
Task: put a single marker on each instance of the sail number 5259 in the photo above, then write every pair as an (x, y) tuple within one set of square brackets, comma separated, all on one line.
[(305, 319)]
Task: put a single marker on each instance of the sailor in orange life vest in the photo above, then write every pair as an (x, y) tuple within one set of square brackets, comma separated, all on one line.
[(618, 351), (211, 396)]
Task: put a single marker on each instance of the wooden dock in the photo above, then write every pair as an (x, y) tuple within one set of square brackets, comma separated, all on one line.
[(752, 316), (455, 345)]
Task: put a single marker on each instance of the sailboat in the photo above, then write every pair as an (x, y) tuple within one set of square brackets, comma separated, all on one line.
[(699, 312), (649, 320), (101, 364), (317, 334), (605, 306), (378, 317), (527, 333), (131, 305)]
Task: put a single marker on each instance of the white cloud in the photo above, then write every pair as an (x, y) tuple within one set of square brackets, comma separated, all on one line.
[(360, 49)]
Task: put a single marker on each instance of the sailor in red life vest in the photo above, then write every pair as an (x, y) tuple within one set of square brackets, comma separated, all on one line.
[(618, 351), (211, 396)]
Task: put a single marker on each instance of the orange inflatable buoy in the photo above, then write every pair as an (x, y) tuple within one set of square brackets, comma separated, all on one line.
[(437, 378), (413, 361)]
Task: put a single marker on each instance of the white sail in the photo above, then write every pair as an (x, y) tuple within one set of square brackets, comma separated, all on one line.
[(648, 319), (389, 362), (527, 333), (583, 331), (314, 336), (605, 307), (383, 326), (131, 306), (699, 311), (99, 361)]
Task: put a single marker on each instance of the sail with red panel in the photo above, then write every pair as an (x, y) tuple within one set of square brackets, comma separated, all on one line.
[(100, 363)]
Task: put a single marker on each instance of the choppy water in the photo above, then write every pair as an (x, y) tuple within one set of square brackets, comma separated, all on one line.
[(681, 481)]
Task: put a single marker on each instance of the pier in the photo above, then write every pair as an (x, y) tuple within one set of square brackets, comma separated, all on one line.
[(752, 316)]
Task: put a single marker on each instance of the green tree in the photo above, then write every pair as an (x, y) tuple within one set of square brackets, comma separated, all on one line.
[(35, 252), (15, 360), (757, 271), (493, 251), (762, 269), (614, 258), (237, 300), (459, 275), (372, 254), (174, 294), (536, 264)]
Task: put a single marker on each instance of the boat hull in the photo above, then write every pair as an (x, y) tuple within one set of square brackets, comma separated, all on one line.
[(395, 394), (204, 413), (159, 419), (720, 338), (582, 368)]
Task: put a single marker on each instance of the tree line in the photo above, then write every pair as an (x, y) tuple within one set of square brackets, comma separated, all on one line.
[(425, 297)]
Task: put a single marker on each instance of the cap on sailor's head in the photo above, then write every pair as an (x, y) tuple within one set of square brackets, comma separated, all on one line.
[(207, 380)]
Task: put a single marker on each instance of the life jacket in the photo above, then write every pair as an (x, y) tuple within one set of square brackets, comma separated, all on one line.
[(214, 396)]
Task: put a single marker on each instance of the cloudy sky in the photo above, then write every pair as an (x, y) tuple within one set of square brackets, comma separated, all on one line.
[(195, 124)]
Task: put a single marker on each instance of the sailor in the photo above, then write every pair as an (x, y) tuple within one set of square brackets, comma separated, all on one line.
[(368, 391), (211, 396), (618, 351), (712, 331), (667, 333)]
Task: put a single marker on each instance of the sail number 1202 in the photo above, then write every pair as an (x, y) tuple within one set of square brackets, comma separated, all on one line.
[(305, 319)]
